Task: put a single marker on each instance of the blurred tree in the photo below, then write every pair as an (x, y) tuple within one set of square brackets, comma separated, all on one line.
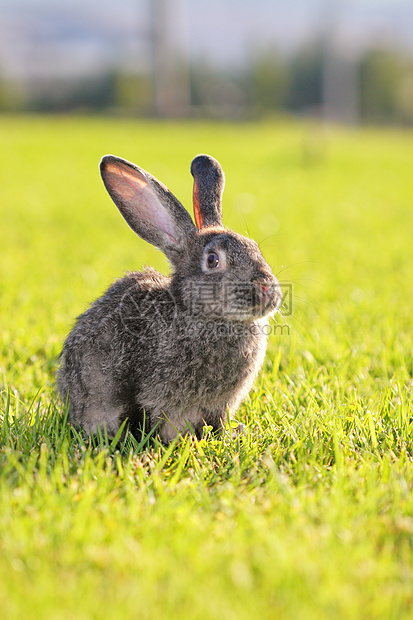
[(91, 93), (382, 75), (306, 80), (268, 81), (13, 95), (406, 96), (134, 93), (216, 92)]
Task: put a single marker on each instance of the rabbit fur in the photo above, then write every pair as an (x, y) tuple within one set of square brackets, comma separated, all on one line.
[(179, 351)]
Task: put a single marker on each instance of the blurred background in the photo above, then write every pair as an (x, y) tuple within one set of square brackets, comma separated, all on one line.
[(348, 61)]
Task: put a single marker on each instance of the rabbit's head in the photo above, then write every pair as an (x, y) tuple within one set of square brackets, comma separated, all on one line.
[(217, 273)]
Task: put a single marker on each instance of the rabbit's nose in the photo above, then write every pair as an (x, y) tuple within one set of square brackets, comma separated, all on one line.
[(271, 292), (264, 287)]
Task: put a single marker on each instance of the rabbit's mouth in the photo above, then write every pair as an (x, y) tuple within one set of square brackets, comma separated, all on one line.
[(269, 297), (252, 300), (255, 301)]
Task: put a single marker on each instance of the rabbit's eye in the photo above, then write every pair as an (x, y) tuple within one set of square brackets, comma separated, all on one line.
[(212, 260)]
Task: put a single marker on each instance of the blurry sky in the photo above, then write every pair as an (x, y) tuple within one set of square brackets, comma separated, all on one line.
[(82, 36)]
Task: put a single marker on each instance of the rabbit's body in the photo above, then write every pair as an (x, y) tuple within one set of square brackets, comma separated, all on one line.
[(199, 368), (175, 351)]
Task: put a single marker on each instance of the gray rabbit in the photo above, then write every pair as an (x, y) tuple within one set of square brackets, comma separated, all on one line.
[(174, 352)]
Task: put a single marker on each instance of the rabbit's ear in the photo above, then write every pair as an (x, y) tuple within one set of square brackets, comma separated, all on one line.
[(209, 181), (149, 208)]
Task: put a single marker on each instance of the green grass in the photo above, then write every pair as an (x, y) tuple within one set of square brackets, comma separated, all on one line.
[(307, 515)]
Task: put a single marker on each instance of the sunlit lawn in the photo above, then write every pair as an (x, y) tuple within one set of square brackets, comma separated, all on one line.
[(310, 513)]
